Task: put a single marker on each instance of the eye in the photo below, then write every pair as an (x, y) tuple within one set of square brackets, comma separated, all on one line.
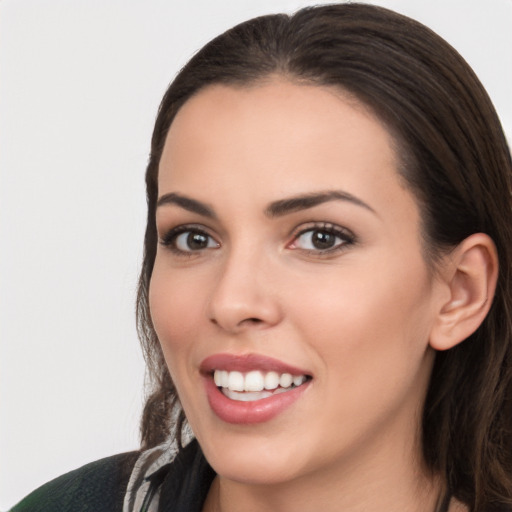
[(194, 241), (322, 239), (185, 239)]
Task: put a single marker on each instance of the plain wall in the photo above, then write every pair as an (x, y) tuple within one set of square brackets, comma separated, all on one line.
[(80, 82)]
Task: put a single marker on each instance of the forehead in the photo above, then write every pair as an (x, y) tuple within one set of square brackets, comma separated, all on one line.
[(261, 111), (290, 137)]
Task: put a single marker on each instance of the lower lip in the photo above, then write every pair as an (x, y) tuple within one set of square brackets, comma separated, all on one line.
[(259, 411)]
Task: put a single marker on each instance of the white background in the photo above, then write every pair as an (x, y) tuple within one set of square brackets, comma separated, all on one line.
[(80, 82)]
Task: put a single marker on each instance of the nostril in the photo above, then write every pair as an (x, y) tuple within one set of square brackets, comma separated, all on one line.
[(246, 320)]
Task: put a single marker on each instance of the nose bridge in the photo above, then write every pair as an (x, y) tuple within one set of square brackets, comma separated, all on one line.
[(243, 296)]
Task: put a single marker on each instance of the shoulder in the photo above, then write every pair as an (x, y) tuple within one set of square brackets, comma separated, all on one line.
[(99, 486)]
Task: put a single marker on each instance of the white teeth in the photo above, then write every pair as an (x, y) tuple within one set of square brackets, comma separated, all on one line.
[(255, 383), (298, 380), (271, 380), (247, 396), (286, 380), (236, 381)]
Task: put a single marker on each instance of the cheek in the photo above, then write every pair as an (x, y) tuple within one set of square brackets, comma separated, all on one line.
[(368, 323), (175, 307), (369, 337)]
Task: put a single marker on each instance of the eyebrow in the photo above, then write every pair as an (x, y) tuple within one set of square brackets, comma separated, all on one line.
[(187, 203), (305, 201), (275, 209)]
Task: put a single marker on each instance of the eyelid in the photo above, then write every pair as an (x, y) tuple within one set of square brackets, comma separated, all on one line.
[(343, 233), (169, 237), (348, 238)]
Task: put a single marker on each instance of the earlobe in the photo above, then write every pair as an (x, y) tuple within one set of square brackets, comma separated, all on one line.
[(470, 274)]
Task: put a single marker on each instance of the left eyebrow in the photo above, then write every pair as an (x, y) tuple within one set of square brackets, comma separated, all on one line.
[(305, 201), (187, 203)]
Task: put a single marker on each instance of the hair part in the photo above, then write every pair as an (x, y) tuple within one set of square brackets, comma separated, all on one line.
[(454, 159)]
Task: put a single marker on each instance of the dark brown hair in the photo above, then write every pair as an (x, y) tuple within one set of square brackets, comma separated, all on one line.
[(455, 160)]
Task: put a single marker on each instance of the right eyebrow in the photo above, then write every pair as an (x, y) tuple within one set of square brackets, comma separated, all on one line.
[(310, 200), (192, 205)]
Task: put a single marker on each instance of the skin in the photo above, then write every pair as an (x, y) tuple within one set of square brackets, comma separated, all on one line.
[(359, 317)]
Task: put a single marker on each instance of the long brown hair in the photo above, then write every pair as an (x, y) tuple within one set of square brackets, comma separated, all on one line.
[(456, 162)]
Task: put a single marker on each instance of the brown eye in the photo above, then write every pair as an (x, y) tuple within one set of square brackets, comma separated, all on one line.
[(322, 238), (189, 241), (317, 239)]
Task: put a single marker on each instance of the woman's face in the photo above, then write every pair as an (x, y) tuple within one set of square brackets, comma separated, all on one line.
[(289, 245)]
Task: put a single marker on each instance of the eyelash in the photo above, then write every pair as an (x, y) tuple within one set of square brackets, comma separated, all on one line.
[(345, 236), (171, 237)]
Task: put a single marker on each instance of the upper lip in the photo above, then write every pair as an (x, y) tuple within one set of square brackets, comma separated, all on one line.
[(247, 363)]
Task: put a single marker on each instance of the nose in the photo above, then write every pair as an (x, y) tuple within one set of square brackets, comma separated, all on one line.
[(244, 296)]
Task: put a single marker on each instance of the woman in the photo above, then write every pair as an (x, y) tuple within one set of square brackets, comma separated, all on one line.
[(325, 292)]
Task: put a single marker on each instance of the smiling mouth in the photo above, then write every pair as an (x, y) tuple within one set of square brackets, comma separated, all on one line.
[(256, 385)]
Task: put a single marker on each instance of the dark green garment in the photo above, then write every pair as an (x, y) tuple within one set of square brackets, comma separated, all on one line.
[(97, 487), (186, 481), (101, 486)]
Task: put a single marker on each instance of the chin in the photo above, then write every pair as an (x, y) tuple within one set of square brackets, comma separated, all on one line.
[(255, 460), (255, 472)]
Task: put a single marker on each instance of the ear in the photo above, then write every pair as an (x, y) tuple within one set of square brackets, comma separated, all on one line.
[(469, 275)]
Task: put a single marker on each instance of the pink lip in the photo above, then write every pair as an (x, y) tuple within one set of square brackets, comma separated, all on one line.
[(259, 411), (246, 363)]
